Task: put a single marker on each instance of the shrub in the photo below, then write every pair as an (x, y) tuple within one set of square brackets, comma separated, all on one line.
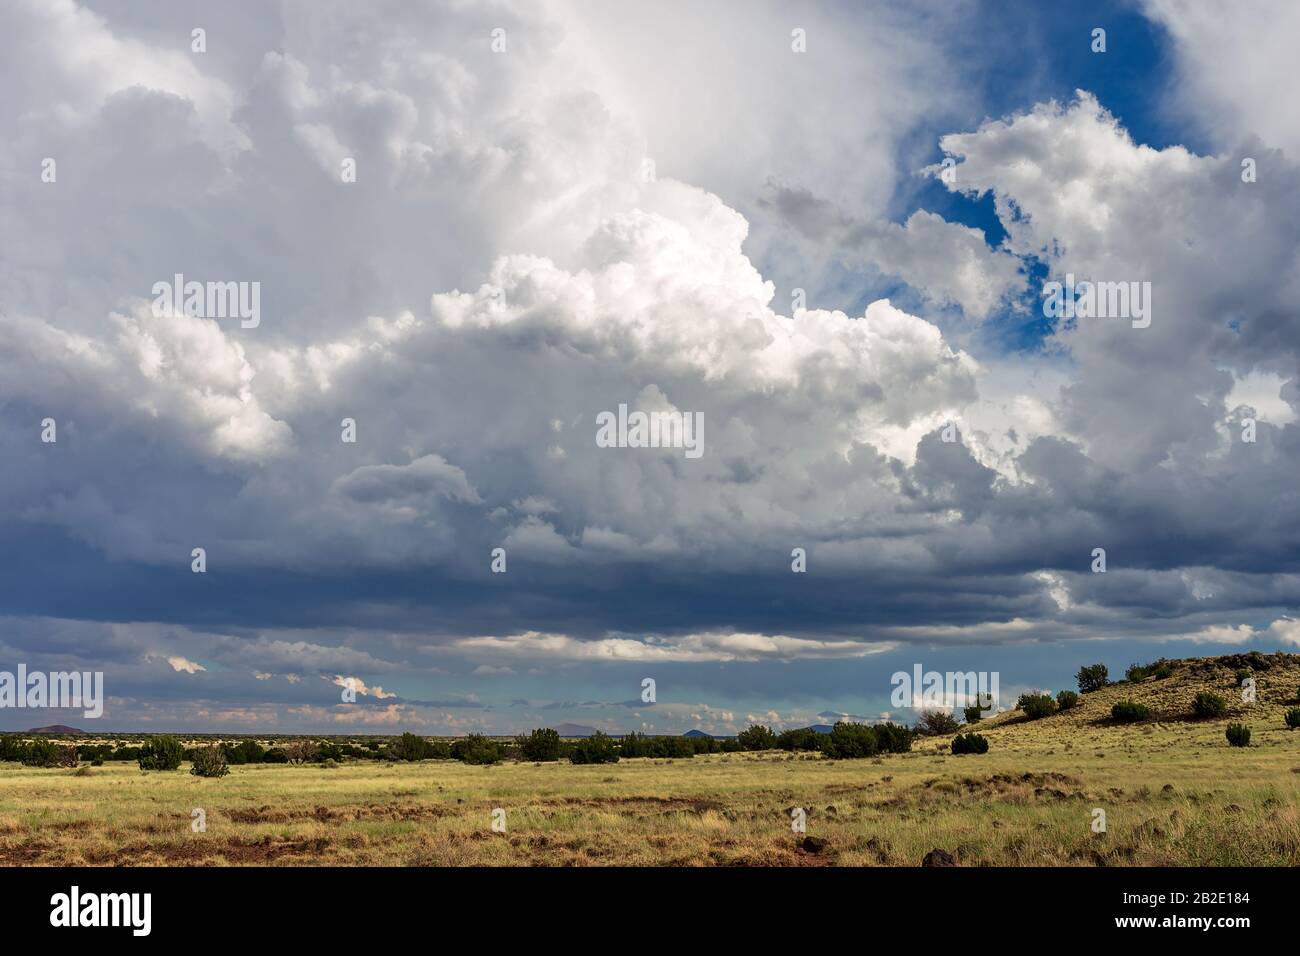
[(300, 751), (39, 753), (641, 745), (756, 737), (847, 741), (805, 738), (973, 714), (328, 751), (246, 751), (1293, 718), (1037, 706), (1242, 674), (1093, 677), (1127, 712), (408, 747), (597, 748), (1067, 699), (477, 749), (893, 739), (1208, 705), (970, 744), (1238, 735), (541, 746), (162, 752), (275, 755), (209, 762), (936, 723)]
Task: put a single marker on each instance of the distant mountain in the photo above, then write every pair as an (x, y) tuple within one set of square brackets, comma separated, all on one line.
[(576, 730), (56, 729), (819, 728), (697, 733)]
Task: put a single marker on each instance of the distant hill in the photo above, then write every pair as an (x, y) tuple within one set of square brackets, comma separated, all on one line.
[(819, 728), (56, 729), (576, 730), (697, 733)]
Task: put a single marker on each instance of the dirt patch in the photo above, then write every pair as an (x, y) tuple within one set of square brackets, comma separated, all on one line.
[(342, 813), (191, 852)]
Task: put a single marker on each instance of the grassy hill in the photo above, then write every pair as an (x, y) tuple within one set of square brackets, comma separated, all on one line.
[(1277, 688)]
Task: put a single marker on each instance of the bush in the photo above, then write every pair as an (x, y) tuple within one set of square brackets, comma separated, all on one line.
[(1067, 699), (1093, 677), (408, 747), (541, 746), (246, 751), (805, 738), (597, 748), (209, 762), (300, 751), (1208, 705), (39, 753), (847, 741), (1037, 706), (893, 739), (970, 744), (641, 745), (1238, 735), (973, 714), (162, 752), (936, 723), (477, 749), (1293, 718), (1127, 712), (756, 737)]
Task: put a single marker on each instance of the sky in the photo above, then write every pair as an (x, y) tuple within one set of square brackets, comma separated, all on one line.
[(825, 229)]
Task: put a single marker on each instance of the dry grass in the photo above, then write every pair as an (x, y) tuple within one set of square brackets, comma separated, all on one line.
[(1174, 793)]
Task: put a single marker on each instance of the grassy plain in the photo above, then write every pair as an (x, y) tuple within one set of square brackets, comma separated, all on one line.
[(1173, 791)]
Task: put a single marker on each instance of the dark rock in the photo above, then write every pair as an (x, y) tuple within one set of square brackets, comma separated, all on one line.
[(813, 844), (938, 858)]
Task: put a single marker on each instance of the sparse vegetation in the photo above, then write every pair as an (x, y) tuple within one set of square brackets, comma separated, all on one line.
[(1238, 735), (1292, 718)]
